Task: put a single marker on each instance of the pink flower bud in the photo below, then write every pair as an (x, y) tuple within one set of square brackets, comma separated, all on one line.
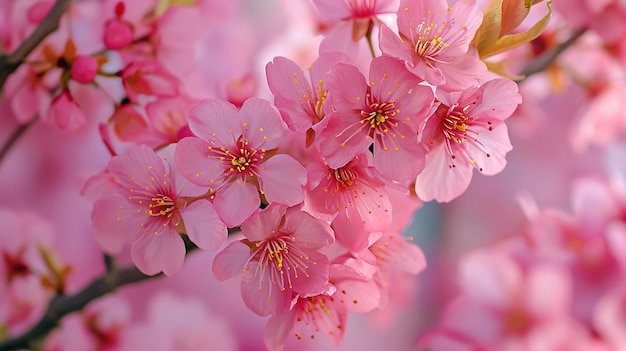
[(117, 34), (64, 112), (84, 69)]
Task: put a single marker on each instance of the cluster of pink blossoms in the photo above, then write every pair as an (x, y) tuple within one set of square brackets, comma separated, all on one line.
[(312, 180), (316, 226)]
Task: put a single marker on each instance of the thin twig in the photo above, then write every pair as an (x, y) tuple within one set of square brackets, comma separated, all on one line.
[(14, 137), (62, 305), (9, 63), (543, 61)]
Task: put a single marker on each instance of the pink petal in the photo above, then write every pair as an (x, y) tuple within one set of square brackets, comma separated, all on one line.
[(343, 138), (463, 72), (373, 207), (440, 182), (316, 277), (467, 18), (339, 39), (155, 253), (236, 202), (391, 81), (262, 124), (281, 178), (497, 145), (500, 99), (203, 225), (134, 168), (215, 120), (347, 87), (308, 230), (399, 156), (265, 223), (231, 261), (192, 162), (262, 296), (115, 222), (277, 330), (332, 10), (356, 292), (292, 92), (411, 13), (394, 251), (391, 45)]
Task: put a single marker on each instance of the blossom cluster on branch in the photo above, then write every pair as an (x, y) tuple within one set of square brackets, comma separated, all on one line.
[(294, 167)]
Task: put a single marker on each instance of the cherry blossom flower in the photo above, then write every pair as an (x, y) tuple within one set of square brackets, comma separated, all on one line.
[(385, 112), (466, 132), (300, 99), (325, 313), (279, 258), (65, 113), (25, 284), (352, 189), (350, 21), (231, 156), (147, 204), (434, 42)]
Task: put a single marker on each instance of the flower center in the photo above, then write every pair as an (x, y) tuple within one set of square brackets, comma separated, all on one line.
[(239, 159), (455, 126), (345, 177), (161, 205), (378, 114), (276, 249), (429, 48)]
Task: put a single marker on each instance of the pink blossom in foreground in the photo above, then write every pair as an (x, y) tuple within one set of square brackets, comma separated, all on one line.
[(434, 42), (385, 112), (300, 99), (231, 156), (353, 190), (324, 313), (144, 204), (466, 132), (279, 258)]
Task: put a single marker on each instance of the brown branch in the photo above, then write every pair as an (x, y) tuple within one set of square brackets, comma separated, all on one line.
[(62, 305), (9, 63), (540, 63)]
